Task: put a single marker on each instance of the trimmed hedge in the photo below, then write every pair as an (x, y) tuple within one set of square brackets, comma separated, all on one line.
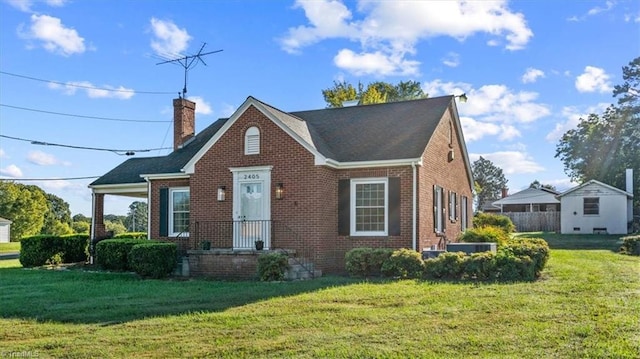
[(495, 220), (153, 259), (42, 249), (112, 254), (272, 266), (403, 263), (521, 259), (134, 235), (485, 234), (366, 262), (631, 245)]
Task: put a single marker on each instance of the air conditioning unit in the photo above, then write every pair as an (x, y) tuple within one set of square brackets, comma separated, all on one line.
[(469, 248)]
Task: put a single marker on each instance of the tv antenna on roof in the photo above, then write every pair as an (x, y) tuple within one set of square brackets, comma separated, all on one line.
[(189, 62)]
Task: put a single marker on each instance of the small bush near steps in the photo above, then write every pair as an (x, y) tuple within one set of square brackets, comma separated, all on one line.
[(366, 262), (272, 266), (153, 259)]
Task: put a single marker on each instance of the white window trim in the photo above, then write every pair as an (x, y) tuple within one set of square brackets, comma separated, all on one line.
[(453, 206), (252, 133), (590, 214), (352, 204), (172, 232)]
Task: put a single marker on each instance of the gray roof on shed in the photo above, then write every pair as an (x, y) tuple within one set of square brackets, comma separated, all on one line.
[(388, 131)]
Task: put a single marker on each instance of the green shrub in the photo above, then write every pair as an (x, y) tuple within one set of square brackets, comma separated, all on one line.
[(403, 263), (631, 245), (366, 262), (495, 220), (536, 249), (480, 266), (153, 259), (449, 265), (511, 268), (485, 234), (75, 248), (113, 254), (134, 235), (272, 266), (36, 250)]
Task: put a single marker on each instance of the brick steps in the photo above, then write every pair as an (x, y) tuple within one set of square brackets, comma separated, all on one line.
[(297, 271)]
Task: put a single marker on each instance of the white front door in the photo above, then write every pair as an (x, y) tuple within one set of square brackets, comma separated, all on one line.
[(251, 207)]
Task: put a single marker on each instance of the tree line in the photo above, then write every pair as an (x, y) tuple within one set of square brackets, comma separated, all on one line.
[(34, 211)]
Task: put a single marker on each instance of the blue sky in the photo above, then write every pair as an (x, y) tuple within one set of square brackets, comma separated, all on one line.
[(531, 69)]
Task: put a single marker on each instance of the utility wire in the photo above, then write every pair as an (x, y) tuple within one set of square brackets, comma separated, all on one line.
[(119, 152), (86, 87), (48, 179), (80, 116)]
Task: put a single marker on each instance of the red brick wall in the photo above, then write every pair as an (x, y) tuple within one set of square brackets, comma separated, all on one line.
[(450, 175), (223, 265)]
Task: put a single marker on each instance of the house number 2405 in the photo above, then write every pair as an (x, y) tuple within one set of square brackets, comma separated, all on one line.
[(251, 176)]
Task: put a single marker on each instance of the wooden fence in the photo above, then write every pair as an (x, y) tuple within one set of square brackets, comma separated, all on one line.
[(535, 221)]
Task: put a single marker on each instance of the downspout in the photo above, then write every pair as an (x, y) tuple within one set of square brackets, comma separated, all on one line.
[(414, 209)]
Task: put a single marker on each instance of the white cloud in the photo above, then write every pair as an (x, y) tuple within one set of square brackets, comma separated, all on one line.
[(56, 3), (169, 40), (11, 171), (492, 103), (452, 60), (573, 116), (25, 5), (92, 91), (596, 10), (202, 107), (375, 63), (227, 110), (44, 159), (474, 130), (511, 162), (388, 31), (593, 79), (54, 36), (532, 75)]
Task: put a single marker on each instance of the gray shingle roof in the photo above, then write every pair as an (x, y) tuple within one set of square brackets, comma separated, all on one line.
[(397, 130)]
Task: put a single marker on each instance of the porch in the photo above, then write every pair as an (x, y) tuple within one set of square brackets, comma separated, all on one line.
[(230, 249)]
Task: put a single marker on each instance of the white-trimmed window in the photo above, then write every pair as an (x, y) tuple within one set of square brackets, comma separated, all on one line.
[(591, 206), (179, 211), (439, 207), (252, 141), (369, 207), (464, 203)]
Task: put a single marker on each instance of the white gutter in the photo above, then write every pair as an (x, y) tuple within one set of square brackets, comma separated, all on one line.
[(369, 164), (414, 199)]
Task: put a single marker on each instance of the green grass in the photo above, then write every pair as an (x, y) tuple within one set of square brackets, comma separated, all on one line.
[(586, 305), (10, 247)]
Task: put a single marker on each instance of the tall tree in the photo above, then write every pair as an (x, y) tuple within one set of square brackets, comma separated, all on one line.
[(57, 219), (488, 181), (603, 145), (25, 206), (137, 217), (375, 92)]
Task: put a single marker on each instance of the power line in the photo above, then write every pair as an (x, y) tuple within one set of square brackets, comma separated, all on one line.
[(80, 116), (48, 179), (119, 152), (85, 86)]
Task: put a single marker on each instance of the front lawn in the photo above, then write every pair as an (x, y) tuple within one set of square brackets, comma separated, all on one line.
[(10, 247), (587, 304)]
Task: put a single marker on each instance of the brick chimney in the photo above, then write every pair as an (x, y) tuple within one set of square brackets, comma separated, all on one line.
[(184, 121), (505, 192)]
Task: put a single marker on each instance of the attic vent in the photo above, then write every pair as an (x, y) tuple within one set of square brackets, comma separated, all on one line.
[(252, 141)]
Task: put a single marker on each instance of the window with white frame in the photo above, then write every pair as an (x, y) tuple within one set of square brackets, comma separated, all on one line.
[(369, 207), (252, 141), (453, 206), (179, 211), (439, 209), (591, 205)]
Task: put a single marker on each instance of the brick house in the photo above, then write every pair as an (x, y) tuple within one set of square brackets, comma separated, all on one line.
[(314, 184)]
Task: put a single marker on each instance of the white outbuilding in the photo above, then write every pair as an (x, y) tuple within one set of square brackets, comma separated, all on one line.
[(5, 230), (596, 207)]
